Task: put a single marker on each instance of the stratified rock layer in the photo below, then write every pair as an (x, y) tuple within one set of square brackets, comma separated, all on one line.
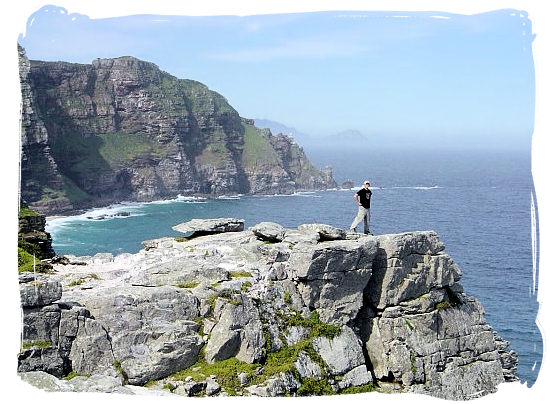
[(122, 129), (355, 310)]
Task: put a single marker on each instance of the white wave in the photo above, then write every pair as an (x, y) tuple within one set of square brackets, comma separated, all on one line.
[(178, 199), (110, 212), (418, 187), (424, 188), (230, 196)]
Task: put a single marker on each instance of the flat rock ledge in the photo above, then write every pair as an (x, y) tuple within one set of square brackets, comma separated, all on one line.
[(266, 311), (202, 227)]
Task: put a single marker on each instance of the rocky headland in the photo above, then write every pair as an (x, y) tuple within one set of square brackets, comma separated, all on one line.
[(123, 130), (262, 311)]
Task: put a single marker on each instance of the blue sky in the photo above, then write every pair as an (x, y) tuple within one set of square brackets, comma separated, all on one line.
[(411, 79)]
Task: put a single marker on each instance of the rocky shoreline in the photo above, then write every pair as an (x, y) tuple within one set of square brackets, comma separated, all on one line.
[(122, 129), (262, 311)]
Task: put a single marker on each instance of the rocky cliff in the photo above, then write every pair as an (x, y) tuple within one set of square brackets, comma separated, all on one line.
[(122, 129), (266, 311), (33, 242)]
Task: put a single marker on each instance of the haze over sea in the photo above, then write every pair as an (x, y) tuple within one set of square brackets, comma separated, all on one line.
[(479, 202)]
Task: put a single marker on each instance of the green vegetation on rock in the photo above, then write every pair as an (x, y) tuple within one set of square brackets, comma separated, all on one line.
[(226, 372), (313, 387), (313, 323), (188, 285), (257, 150), (365, 388), (72, 375), (76, 282), (239, 274), (25, 211), (36, 344), (443, 305), (27, 263)]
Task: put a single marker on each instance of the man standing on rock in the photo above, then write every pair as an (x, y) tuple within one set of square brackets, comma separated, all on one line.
[(362, 198)]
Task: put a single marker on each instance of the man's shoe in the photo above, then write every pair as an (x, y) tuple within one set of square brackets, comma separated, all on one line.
[(353, 230)]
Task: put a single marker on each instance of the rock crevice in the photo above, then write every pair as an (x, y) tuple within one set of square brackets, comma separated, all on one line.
[(280, 306)]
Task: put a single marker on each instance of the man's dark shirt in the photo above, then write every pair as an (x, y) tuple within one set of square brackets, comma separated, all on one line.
[(364, 197)]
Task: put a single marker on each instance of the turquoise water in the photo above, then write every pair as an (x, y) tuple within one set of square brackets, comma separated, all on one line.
[(480, 203)]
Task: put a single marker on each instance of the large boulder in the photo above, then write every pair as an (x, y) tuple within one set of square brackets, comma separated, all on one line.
[(238, 332), (152, 332), (408, 266), (332, 275), (199, 227), (39, 293), (341, 353), (269, 231)]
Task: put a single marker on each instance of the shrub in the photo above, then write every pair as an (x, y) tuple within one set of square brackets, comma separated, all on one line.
[(443, 305), (226, 372), (239, 274), (36, 344), (188, 285), (26, 263), (313, 387), (365, 388), (76, 282)]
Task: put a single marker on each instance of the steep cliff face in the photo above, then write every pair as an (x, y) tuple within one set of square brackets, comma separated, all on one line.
[(40, 176), (122, 129), (266, 311)]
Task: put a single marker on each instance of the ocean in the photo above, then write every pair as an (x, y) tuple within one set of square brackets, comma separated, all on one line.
[(481, 203)]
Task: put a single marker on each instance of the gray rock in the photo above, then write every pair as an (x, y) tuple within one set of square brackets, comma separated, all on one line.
[(332, 276), (306, 367), (98, 383), (408, 266), (151, 331), (431, 351), (44, 381), (295, 334), (278, 385), (269, 231), (238, 332), (212, 386), (342, 353), (39, 293), (324, 231), (243, 379), (41, 324), (193, 388), (91, 350), (294, 237), (41, 359), (356, 377), (210, 226)]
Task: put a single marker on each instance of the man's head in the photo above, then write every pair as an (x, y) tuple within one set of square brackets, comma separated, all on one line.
[(366, 184)]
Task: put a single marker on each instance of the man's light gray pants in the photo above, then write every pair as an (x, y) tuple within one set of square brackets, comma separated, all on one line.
[(364, 215)]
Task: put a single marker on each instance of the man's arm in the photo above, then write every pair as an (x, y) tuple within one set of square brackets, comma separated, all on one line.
[(356, 197)]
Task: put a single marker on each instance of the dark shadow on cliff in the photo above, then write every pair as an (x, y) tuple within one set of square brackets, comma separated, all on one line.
[(371, 295)]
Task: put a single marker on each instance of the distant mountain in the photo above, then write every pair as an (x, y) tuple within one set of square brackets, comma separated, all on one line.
[(349, 137), (345, 139), (276, 127)]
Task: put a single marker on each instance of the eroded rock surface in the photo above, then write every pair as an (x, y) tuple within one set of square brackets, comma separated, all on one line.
[(287, 306)]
